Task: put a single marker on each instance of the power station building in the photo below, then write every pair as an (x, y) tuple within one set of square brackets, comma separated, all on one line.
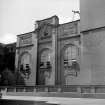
[(66, 54), (51, 54)]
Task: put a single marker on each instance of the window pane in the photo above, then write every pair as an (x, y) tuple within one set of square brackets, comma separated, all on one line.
[(70, 55), (74, 52), (45, 58), (67, 55)]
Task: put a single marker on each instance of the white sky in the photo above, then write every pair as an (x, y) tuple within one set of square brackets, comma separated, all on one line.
[(19, 16)]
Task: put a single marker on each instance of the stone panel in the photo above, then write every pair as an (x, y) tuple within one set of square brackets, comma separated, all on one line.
[(68, 29), (93, 56)]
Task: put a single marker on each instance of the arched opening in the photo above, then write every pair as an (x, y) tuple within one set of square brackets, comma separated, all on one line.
[(45, 67), (71, 65), (25, 65), (45, 59)]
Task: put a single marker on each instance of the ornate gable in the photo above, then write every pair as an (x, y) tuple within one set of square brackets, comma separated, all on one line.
[(44, 31), (44, 27)]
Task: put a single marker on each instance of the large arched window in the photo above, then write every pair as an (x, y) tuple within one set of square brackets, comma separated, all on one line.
[(71, 64), (45, 59), (45, 67), (26, 64)]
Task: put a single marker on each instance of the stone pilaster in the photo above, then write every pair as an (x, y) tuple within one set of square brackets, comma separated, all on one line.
[(54, 49), (34, 57), (17, 54)]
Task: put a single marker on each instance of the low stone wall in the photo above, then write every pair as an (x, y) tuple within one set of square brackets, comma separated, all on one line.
[(86, 91)]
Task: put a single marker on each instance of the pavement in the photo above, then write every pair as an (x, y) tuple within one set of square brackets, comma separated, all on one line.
[(57, 100)]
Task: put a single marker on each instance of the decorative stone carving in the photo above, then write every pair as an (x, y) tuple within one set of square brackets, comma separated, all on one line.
[(25, 40)]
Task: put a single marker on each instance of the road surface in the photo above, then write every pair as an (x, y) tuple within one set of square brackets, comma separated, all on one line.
[(33, 100)]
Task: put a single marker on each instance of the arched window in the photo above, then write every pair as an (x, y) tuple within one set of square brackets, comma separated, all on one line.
[(45, 59), (71, 64), (26, 65), (45, 67)]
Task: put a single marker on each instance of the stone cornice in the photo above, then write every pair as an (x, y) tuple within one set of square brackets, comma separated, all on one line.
[(68, 36), (24, 46)]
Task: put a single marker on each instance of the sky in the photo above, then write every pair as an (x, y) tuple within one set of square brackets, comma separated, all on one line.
[(19, 16)]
